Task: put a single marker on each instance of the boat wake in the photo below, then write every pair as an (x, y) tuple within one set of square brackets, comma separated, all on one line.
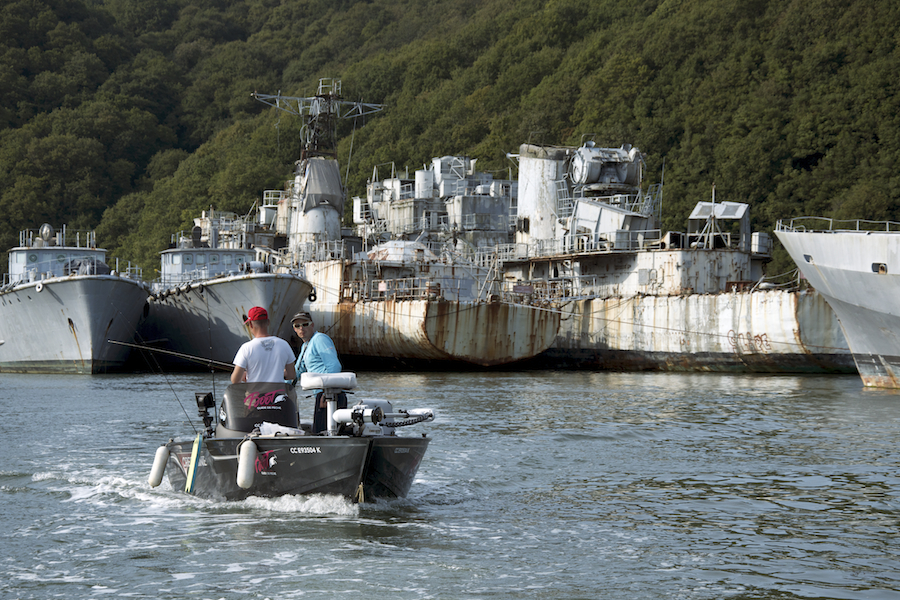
[(316, 504), (115, 489)]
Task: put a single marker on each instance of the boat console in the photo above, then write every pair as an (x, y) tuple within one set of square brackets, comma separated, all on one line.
[(246, 406)]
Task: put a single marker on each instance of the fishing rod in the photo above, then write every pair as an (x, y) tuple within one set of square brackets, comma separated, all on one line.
[(207, 361)]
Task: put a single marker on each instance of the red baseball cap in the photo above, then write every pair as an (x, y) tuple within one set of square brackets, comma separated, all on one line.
[(257, 313)]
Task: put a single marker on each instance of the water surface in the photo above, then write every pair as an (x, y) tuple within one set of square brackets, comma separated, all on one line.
[(536, 485)]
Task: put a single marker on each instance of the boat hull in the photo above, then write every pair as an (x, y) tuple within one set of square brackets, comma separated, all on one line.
[(760, 331), (385, 467), (206, 319), (62, 324), (392, 466), (858, 273), (285, 465)]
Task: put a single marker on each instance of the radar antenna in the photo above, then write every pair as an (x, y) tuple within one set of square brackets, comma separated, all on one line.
[(320, 114)]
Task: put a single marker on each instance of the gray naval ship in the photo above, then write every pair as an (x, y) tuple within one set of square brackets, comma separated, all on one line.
[(854, 266), (209, 279), (61, 302)]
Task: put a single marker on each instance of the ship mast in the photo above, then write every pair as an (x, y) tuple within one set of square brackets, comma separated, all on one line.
[(313, 206), (320, 114)]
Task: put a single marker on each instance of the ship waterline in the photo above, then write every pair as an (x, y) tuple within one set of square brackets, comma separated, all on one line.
[(485, 334)]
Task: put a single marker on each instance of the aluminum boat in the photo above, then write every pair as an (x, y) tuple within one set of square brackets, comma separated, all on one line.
[(254, 444)]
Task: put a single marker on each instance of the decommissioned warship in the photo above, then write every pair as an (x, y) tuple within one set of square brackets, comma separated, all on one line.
[(61, 302)]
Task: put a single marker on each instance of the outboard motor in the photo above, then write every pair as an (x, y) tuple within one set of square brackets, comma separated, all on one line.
[(247, 405)]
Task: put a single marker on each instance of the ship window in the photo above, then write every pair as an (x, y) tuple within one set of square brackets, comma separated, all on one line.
[(19, 258), (188, 259), (32, 257), (879, 268), (239, 259), (213, 259), (176, 259), (807, 258), (226, 259), (60, 258), (201, 259)]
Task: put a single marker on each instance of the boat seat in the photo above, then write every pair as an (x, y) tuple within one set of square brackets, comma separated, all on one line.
[(334, 381), (246, 405)]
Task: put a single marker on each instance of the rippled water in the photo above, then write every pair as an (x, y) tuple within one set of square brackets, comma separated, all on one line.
[(537, 485)]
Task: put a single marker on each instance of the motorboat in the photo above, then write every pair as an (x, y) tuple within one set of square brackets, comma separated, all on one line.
[(254, 444)]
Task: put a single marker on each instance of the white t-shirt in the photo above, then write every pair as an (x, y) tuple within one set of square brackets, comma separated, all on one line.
[(264, 358)]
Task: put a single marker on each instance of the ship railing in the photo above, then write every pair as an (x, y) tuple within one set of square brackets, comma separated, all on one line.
[(319, 251), (204, 273), (564, 202), (407, 288), (230, 232), (605, 243), (174, 279), (407, 191), (373, 227), (83, 238), (828, 224), (560, 289), (281, 260), (131, 271), (484, 222), (274, 196)]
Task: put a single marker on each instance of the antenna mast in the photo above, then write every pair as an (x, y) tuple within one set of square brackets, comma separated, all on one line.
[(320, 114)]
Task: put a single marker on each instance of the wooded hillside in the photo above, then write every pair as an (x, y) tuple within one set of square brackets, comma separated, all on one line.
[(131, 116)]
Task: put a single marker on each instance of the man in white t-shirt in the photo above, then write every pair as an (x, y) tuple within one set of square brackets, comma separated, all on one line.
[(265, 357)]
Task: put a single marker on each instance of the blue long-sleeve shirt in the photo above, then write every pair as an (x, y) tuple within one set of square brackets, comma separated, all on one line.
[(318, 355)]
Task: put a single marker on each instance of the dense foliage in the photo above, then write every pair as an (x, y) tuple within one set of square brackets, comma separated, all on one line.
[(131, 116)]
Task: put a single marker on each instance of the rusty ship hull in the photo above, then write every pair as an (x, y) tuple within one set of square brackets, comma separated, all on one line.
[(633, 297), (481, 334), (410, 321), (769, 331)]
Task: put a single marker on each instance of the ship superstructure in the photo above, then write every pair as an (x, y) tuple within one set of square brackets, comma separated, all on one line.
[(632, 296), (383, 295)]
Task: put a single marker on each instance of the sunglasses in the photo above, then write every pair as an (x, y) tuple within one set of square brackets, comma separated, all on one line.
[(306, 324)]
